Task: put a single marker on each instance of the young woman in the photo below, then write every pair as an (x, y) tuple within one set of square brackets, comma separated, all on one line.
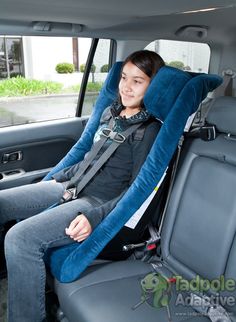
[(44, 227)]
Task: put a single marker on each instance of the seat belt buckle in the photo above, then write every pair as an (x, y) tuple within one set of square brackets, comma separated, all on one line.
[(199, 303), (208, 132), (154, 239), (218, 314), (126, 248), (203, 304), (69, 194), (152, 243), (115, 136), (149, 245)]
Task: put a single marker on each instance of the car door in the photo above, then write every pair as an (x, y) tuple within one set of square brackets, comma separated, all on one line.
[(29, 149)]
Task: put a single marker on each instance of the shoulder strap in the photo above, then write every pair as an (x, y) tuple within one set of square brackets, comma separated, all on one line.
[(226, 88), (75, 183), (89, 157), (104, 157)]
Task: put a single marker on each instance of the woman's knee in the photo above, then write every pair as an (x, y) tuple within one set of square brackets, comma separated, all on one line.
[(16, 240), (5, 202)]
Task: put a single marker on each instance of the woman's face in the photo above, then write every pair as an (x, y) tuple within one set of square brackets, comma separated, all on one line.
[(133, 85)]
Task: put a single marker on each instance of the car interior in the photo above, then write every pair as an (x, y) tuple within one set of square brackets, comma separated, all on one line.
[(190, 239)]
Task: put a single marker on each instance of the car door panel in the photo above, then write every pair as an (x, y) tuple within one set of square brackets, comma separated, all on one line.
[(28, 152)]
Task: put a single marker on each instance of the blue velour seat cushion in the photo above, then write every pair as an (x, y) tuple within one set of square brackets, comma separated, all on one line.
[(172, 97)]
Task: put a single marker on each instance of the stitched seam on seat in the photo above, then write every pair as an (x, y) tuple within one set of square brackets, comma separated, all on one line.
[(104, 281)]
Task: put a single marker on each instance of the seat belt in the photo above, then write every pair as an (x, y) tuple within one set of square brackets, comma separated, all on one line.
[(226, 88), (75, 186), (91, 155), (203, 304), (206, 133)]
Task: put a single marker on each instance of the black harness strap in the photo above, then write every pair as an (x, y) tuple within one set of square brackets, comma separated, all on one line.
[(89, 158), (77, 184)]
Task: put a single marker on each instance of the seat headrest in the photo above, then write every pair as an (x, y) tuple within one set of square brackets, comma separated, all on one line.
[(110, 87), (163, 91), (223, 114), (171, 85)]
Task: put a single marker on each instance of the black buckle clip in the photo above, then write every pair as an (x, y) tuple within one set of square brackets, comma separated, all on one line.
[(126, 248), (149, 244), (208, 132), (69, 194), (115, 136)]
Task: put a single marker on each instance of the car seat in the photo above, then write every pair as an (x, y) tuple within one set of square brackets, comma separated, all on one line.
[(198, 243), (172, 97)]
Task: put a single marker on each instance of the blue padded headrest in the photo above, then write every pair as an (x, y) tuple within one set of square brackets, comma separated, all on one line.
[(172, 96), (163, 91), (223, 114)]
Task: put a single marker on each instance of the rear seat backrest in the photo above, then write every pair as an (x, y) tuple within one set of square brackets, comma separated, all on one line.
[(198, 236)]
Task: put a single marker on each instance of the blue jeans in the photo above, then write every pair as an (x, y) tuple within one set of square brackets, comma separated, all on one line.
[(28, 240)]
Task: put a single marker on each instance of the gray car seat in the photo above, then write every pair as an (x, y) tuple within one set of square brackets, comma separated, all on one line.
[(198, 243)]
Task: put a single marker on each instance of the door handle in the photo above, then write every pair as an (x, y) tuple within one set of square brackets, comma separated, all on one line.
[(11, 174), (12, 156)]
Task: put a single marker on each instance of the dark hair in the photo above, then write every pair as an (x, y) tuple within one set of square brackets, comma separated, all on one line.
[(148, 61)]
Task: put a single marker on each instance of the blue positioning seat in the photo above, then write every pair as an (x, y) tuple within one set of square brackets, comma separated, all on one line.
[(172, 97)]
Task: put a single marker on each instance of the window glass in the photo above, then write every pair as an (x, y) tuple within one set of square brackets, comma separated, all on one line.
[(11, 64), (40, 77), (97, 75), (190, 56)]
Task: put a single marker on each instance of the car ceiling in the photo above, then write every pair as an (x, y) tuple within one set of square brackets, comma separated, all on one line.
[(149, 19)]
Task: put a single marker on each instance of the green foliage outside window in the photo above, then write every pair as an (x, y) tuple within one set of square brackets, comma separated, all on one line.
[(177, 64), (82, 68), (65, 68), (104, 68)]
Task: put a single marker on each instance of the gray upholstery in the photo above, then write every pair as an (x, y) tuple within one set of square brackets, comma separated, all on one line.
[(110, 292), (198, 237), (223, 115)]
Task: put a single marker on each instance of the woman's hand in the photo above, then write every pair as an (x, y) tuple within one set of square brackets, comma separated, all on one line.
[(79, 229)]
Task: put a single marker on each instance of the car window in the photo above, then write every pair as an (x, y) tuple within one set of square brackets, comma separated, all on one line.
[(40, 77), (11, 60), (97, 76), (189, 56)]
